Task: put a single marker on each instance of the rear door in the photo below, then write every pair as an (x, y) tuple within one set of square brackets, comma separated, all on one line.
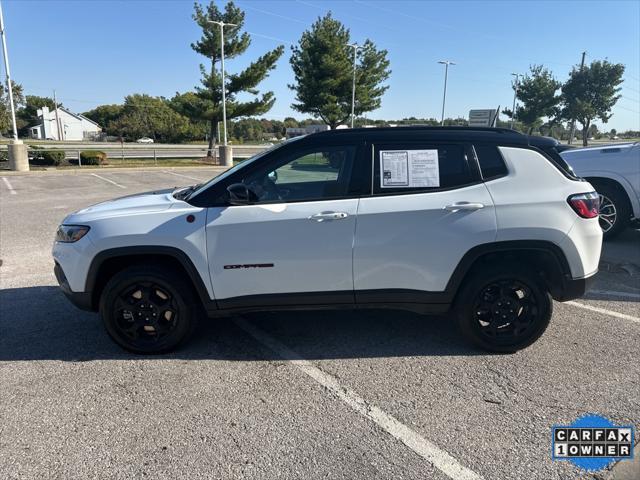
[(428, 208)]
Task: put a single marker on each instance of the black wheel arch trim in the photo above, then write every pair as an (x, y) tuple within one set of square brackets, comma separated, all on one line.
[(474, 254), (562, 291), (159, 250)]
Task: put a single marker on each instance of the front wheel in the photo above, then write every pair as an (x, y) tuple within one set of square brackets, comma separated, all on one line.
[(148, 310), (503, 310)]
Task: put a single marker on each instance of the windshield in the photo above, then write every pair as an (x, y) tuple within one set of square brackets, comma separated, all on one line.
[(240, 165)]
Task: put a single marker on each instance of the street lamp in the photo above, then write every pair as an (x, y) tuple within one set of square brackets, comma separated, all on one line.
[(355, 47), (446, 64), (515, 94), (6, 69), (224, 97)]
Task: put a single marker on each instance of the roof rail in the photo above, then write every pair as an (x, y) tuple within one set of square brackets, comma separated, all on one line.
[(422, 127)]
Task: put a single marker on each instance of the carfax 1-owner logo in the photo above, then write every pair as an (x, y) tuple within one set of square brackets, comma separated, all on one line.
[(592, 442)]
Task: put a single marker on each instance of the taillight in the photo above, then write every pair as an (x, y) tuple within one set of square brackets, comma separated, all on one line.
[(587, 205)]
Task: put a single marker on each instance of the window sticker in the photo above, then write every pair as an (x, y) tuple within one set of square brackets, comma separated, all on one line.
[(409, 168)]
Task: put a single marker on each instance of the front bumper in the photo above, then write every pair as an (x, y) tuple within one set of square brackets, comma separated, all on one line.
[(82, 300), (573, 288)]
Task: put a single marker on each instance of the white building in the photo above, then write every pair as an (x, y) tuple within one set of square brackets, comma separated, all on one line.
[(67, 126)]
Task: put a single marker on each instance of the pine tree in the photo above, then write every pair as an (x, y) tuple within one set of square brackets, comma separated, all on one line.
[(323, 67), (209, 107)]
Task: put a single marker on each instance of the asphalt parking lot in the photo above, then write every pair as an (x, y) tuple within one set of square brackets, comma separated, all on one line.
[(365, 394)]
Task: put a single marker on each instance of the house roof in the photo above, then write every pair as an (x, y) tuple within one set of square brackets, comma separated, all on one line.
[(88, 120)]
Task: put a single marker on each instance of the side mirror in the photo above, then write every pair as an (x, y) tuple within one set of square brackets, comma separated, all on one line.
[(240, 194), (273, 176)]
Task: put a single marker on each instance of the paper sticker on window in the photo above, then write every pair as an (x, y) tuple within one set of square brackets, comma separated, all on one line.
[(395, 168), (409, 168)]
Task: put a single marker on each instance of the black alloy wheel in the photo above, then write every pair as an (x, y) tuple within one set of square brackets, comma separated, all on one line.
[(506, 309), (503, 308), (148, 310)]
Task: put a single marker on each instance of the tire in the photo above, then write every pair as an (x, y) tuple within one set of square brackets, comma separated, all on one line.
[(491, 315), (148, 310), (614, 206)]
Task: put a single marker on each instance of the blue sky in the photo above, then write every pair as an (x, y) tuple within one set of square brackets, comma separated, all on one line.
[(95, 52)]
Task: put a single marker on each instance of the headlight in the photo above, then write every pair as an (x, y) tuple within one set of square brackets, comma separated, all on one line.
[(71, 233)]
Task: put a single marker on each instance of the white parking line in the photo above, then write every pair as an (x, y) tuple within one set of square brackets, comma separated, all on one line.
[(420, 445), (107, 180), (604, 311), (9, 186), (615, 294), (181, 175)]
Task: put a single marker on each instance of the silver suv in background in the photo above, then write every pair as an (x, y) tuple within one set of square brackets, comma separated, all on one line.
[(614, 171)]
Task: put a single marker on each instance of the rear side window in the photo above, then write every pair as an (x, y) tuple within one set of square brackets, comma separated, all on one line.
[(491, 162), (407, 168)]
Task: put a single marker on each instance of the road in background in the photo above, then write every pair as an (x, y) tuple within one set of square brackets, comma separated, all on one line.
[(232, 404)]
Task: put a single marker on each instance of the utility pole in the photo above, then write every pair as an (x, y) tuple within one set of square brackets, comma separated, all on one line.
[(222, 24), (55, 103), (515, 94), (446, 64), (6, 68), (355, 47), (572, 129)]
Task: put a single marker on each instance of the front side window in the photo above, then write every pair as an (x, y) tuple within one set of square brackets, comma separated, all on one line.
[(313, 174)]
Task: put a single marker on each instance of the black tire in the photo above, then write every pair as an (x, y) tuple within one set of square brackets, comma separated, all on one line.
[(491, 314), (148, 310), (612, 202)]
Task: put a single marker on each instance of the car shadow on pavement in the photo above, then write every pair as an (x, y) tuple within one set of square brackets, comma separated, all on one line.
[(38, 323)]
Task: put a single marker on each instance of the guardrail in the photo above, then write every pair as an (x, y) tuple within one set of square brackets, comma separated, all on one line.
[(151, 152)]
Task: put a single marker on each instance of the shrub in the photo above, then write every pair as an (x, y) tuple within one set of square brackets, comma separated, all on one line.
[(93, 157), (53, 156), (4, 155)]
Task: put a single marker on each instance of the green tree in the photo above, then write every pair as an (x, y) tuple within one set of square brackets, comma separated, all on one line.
[(147, 116), (105, 116), (537, 96), (189, 105), (235, 43), (591, 92), (323, 69), (5, 109)]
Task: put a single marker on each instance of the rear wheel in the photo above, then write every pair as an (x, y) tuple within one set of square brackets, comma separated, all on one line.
[(148, 310), (615, 212), (503, 310)]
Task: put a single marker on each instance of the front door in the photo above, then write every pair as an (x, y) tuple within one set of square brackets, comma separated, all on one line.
[(293, 244)]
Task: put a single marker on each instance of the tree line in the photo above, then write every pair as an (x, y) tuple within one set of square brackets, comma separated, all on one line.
[(322, 64)]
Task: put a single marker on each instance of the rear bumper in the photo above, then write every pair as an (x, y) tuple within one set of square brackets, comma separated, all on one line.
[(573, 288), (82, 300)]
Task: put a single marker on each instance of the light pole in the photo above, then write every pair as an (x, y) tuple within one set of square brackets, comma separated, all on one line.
[(446, 64), (355, 47), (224, 95), (515, 94), (6, 67)]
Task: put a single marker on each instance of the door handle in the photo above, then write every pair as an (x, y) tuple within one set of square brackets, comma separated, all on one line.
[(454, 207), (325, 216)]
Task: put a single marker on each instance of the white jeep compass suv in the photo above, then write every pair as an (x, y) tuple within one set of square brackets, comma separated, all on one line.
[(488, 223)]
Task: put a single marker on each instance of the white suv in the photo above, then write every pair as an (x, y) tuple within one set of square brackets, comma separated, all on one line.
[(488, 223), (614, 171)]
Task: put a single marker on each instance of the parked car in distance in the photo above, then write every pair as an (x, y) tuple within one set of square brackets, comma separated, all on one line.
[(614, 171), (144, 140), (486, 223)]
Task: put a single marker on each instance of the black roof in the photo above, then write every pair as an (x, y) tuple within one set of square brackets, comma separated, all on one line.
[(477, 134)]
